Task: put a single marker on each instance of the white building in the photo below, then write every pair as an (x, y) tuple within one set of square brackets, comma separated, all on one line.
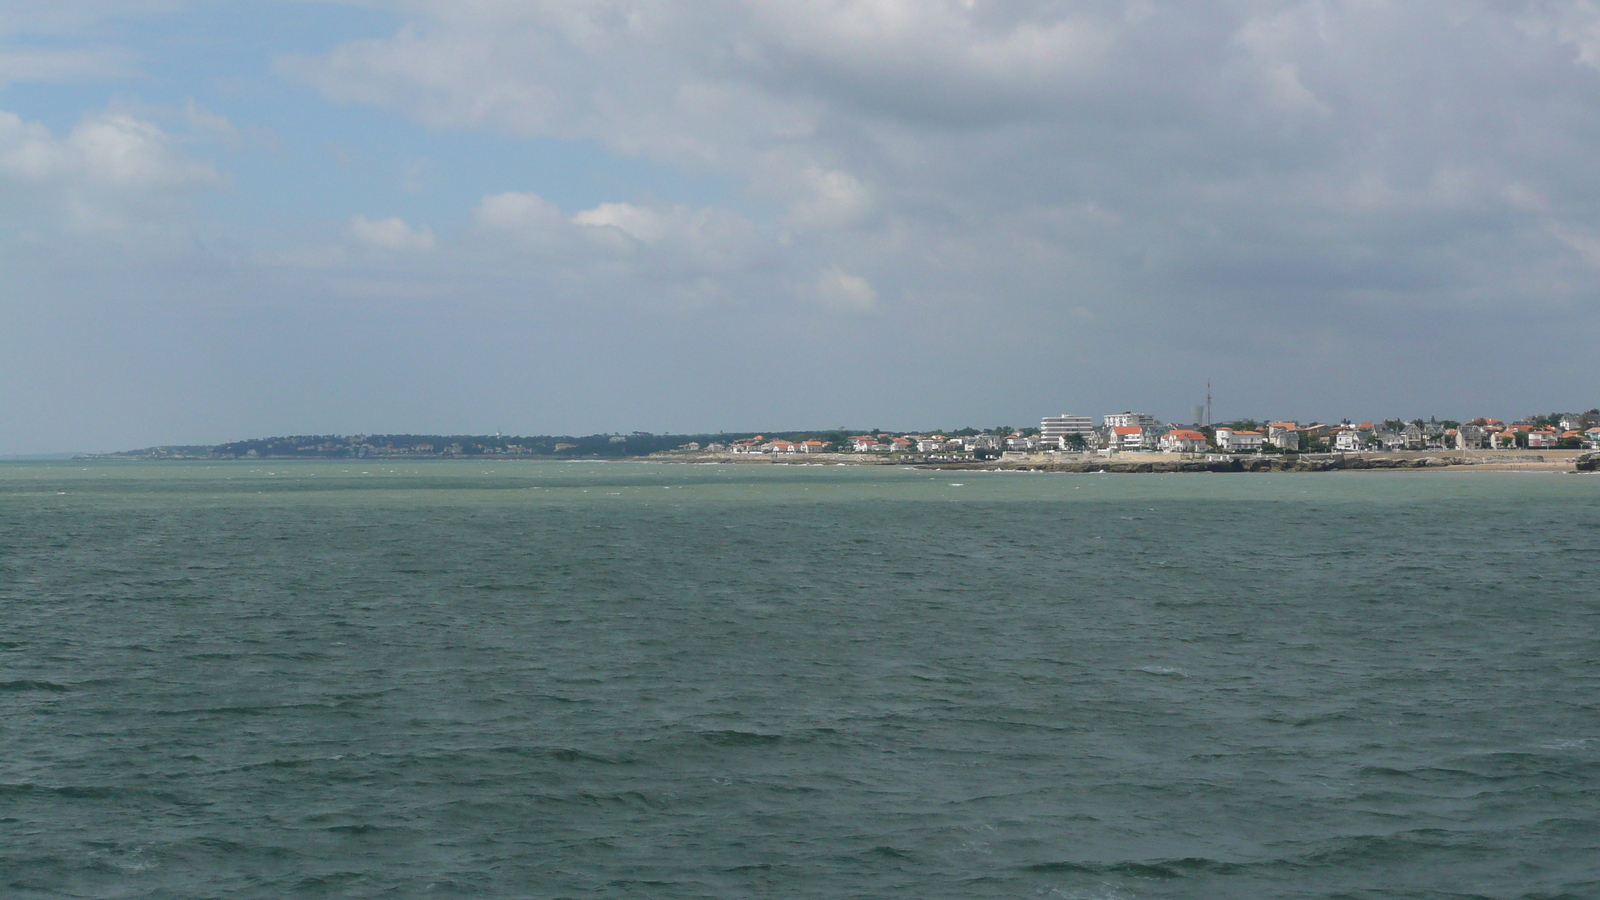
[(1130, 420), (1053, 428), (1129, 437), (1543, 439), (1182, 440), (1284, 435), (1231, 441)]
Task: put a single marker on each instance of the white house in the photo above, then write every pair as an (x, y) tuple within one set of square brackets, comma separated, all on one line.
[(1285, 435), (1543, 439), (1128, 437), (1180, 440), (1232, 441)]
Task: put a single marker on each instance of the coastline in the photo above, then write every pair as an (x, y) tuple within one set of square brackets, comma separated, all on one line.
[(1560, 461)]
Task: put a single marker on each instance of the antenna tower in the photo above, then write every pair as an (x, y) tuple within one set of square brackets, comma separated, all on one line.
[(1208, 401)]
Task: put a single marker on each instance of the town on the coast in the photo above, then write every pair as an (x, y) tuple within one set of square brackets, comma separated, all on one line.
[(1137, 432), (1126, 441), (1138, 442)]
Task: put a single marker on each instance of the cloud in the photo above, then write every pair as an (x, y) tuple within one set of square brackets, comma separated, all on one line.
[(637, 222), (23, 64), (1165, 158), (1126, 194), (391, 235), (525, 216), (842, 292), (112, 172)]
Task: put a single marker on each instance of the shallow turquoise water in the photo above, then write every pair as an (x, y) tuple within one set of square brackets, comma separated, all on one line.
[(527, 679)]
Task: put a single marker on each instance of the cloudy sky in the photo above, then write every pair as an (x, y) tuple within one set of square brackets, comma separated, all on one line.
[(238, 218)]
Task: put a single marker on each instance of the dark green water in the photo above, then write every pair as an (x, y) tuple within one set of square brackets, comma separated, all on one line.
[(621, 680)]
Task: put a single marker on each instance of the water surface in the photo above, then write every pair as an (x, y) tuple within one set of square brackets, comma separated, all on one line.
[(540, 679)]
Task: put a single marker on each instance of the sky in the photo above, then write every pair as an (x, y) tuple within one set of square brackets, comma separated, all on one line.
[(240, 218)]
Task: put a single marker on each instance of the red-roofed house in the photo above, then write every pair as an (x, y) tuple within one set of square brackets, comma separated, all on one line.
[(1180, 440), (1236, 441), (1128, 437)]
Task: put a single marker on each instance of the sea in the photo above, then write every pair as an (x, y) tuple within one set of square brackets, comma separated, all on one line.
[(543, 679)]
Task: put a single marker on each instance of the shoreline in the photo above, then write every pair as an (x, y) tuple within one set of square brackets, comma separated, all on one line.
[(1560, 461)]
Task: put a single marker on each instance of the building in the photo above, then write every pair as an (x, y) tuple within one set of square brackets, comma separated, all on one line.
[(1349, 440), (1543, 439), (1130, 420), (1284, 435), (1470, 437), (1591, 437), (1232, 441), (1182, 440), (1053, 428), (1414, 436), (1128, 437)]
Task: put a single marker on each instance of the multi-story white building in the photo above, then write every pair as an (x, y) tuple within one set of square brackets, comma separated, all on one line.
[(1130, 420), (1053, 428)]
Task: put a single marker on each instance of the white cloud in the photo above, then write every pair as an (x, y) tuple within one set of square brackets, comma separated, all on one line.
[(527, 216), (637, 222), (111, 172), (828, 199), (840, 291), (392, 235)]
